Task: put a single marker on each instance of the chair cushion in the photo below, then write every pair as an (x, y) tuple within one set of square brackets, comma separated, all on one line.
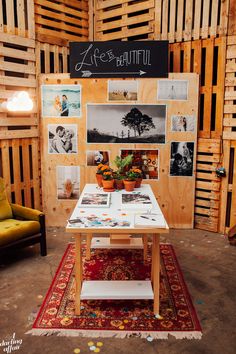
[(5, 208), (12, 230)]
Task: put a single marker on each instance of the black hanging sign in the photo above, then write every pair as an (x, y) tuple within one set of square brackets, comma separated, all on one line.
[(119, 59)]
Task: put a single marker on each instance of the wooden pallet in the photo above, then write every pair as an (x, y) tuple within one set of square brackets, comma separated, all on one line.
[(207, 58), (228, 190), (174, 20), (207, 198), (51, 58), (61, 21)]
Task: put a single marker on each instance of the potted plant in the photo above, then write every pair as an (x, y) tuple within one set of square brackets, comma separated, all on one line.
[(121, 163), (107, 180), (118, 180), (101, 168), (130, 180), (139, 177)]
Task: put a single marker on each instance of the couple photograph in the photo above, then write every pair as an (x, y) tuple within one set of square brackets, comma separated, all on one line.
[(61, 101), (62, 139)]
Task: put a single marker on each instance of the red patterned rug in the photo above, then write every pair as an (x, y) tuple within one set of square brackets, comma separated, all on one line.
[(119, 318)]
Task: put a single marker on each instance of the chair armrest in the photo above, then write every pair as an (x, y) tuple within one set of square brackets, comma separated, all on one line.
[(26, 213)]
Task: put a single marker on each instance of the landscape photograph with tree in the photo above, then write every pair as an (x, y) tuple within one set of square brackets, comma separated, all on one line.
[(140, 123)]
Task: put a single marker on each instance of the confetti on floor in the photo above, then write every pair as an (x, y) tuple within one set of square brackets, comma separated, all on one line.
[(99, 344), (76, 350), (149, 339), (90, 344)]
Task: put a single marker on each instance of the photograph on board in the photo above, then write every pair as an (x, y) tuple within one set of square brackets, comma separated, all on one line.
[(61, 101), (62, 139), (146, 160), (119, 123), (172, 90), (122, 90), (95, 157), (182, 123), (181, 159), (68, 182)]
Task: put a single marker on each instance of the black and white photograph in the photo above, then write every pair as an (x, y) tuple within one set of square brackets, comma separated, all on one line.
[(146, 160), (61, 101), (183, 123), (181, 160), (122, 90), (119, 123), (95, 157), (68, 182), (62, 139), (135, 201), (172, 90), (95, 200)]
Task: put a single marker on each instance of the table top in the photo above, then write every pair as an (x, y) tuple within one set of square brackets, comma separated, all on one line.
[(117, 212)]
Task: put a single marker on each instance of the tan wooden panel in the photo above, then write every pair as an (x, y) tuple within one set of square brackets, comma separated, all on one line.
[(16, 170), (14, 39), (13, 81), (10, 16), (177, 208), (21, 17), (61, 8), (36, 173), (15, 53), (58, 26), (188, 20), (15, 134)]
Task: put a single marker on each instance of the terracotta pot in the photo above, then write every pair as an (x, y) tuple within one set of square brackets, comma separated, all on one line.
[(99, 179), (119, 184), (129, 185), (138, 182), (108, 184)]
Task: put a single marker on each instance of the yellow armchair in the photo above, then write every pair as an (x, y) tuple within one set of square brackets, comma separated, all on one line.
[(20, 226)]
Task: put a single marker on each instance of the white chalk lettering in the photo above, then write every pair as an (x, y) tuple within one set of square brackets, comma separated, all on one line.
[(11, 345)]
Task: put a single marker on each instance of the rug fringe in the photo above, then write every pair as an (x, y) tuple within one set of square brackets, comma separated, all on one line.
[(113, 334)]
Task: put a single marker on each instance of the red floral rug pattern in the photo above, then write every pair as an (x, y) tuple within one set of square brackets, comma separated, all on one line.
[(121, 317)]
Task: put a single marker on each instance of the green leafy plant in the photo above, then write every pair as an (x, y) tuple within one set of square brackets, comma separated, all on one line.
[(121, 163), (133, 174)]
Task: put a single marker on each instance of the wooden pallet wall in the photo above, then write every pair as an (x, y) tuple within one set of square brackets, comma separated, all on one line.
[(61, 21), (19, 136), (51, 58), (174, 20), (228, 192)]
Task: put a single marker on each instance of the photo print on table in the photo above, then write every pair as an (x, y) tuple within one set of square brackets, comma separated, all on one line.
[(172, 90), (146, 160), (119, 123), (61, 101), (95, 157), (68, 182), (122, 90), (135, 201), (62, 139), (94, 200), (183, 123), (181, 159)]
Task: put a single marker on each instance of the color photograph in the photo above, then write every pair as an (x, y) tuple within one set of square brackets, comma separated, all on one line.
[(183, 123), (136, 201), (181, 160), (122, 90), (95, 157), (61, 101), (146, 160), (68, 182), (172, 90), (119, 123), (62, 139), (95, 200)]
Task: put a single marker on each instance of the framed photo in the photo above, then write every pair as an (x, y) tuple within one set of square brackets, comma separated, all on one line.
[(135, 201), (95, 157), (122, 90), (146, 160), (62, 139), (68, 182), (94, 200), (183, 123), (172, 90), (121, 124), (181, 159), (62, 101)]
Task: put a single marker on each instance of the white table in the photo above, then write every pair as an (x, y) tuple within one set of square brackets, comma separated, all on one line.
[(116, 289)]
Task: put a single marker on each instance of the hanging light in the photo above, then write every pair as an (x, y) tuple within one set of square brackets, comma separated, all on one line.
[(20, 102)]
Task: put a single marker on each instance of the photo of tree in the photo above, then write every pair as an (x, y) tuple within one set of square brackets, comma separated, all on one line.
[(108, 123)]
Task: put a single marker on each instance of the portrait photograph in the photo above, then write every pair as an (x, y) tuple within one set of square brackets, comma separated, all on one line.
[(62, 101), (122, 90), (119, 123), (146, 160), (62, 139), (172, 90), (95, 157), (181, 159), (183, 123), (68, 182)]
